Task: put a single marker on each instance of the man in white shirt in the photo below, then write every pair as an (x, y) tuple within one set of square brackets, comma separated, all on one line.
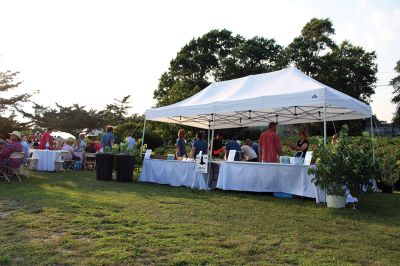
[(249, 153)]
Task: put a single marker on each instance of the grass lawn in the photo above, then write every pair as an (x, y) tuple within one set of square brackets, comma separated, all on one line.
[(70, 218)]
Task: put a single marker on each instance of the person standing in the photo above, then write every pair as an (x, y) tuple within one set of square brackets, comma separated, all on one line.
[(249, 154), (108, 139), (217, 145), (270, 146), (46, 141), (131, 141), (199, 145), (302, 145), (232, 144), (180, 144)]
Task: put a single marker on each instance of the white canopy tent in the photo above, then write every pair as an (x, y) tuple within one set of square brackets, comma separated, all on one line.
[(286, 96), (63, 135)]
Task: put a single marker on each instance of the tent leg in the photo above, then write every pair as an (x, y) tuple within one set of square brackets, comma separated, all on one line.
[(372, 140), (210, 152), (144, 129), (325, 121)]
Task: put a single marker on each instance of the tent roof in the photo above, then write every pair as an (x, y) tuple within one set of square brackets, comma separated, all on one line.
[(286, 96)]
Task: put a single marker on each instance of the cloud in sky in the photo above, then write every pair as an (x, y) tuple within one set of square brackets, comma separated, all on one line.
[(93, 51)]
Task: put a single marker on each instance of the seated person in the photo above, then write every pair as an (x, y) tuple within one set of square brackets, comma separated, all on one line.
[(250, 154), (9, 148), (90, 148), (232, 144), (199, 145), (71, 154)]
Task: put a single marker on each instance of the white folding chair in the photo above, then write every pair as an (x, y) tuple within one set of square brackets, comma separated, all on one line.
[(59, 162), (8, 171)]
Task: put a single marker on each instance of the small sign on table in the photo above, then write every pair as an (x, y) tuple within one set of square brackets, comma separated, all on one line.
[(201, 163), (147, 154)]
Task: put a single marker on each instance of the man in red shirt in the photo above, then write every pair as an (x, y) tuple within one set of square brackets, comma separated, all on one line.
[(270, 145)]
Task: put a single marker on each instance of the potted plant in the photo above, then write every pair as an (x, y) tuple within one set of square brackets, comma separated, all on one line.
[(341, 168)]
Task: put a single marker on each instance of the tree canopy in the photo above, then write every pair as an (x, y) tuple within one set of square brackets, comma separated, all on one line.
[(8, 105), (219, 55), (395, 83)]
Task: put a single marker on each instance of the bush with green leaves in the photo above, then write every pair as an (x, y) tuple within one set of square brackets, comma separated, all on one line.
[(345, 166)]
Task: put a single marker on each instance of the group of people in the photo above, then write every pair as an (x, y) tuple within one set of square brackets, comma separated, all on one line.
[(76, 148), (268, 149)]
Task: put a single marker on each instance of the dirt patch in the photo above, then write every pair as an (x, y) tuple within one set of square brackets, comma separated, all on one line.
[(8, 207)]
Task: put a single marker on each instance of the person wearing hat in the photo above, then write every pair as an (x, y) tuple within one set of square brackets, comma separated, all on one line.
[(24, 144), (12, 146), (270, 146)]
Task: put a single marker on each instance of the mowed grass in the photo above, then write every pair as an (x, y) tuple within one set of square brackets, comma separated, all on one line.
[(71, 218)]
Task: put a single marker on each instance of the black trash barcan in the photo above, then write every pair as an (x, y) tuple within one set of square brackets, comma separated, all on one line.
[(104, 166), (124, 164)]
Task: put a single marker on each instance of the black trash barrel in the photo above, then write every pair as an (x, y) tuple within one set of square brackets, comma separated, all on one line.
[(104, 166), (124, 165)]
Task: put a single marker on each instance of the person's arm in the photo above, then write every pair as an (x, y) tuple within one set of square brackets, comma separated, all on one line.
[(178, 149), (259, 150), (193, 152)]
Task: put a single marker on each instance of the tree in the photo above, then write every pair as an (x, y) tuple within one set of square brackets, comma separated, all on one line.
[(345, 67), (395, 83), (115, 113), (8, 105), (215, 56)]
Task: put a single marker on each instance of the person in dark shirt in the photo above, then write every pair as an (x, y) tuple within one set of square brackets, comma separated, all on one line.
[(217, 145), (302, 144), (232, 144), (199, 145), (180, 144)]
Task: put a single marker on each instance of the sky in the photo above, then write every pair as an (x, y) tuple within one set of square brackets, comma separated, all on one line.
[(90, 52)]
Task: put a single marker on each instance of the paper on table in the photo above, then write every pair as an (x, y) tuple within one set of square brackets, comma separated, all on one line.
[(147, 154), (231, 156)]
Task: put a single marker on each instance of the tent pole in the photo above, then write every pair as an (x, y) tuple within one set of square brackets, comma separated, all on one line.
[(372, 140), (211, 149), (144, 129), (325, 119)]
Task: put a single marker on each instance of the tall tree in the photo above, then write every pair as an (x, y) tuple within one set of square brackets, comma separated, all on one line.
[(215, 56), (345, 67), (115, 113), (9, 104), (395, 83)]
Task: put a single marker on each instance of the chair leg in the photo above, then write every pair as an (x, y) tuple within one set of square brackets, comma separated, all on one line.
[(4, 175)]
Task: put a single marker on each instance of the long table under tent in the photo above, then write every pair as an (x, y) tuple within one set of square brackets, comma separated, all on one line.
[(174, 173), (269, 177)]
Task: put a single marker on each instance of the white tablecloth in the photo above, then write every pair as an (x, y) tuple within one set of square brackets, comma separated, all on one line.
[(172, 172), (268, 177), (46, 159)]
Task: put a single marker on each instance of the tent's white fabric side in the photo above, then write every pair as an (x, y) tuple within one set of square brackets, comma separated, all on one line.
[(287, 96)]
